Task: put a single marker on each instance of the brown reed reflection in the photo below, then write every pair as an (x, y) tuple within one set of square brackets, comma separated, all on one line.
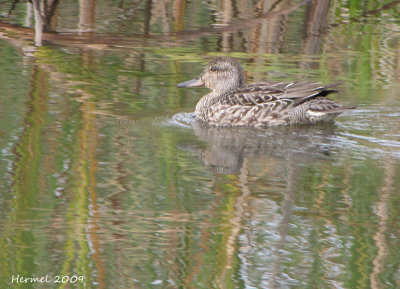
[(316, 25), (86, 15), (268, 36), (264, 23), (382, 212)]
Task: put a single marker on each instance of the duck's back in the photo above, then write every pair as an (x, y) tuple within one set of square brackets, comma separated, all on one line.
[(271, 103)]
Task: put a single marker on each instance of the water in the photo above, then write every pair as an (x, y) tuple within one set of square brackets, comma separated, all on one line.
[(106, 175)]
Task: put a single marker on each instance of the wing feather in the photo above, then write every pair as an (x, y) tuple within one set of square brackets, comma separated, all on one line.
[(276, 92)]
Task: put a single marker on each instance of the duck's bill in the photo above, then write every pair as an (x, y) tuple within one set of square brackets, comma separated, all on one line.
[(195, 82)]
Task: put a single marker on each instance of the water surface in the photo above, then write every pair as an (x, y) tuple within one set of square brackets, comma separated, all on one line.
[(106, 174)]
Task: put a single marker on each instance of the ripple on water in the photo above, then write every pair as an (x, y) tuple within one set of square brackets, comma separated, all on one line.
[(182, 120), (371, 132), (366, 132)]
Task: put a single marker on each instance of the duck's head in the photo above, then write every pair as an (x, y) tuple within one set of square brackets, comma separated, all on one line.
[(221, 74)]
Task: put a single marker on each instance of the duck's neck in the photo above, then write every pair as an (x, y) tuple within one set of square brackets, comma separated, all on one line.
[(211, 98), (205, 102)]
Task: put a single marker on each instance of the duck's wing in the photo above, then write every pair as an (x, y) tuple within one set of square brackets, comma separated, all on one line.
[(252, 95), (303, 91), (267, 92)]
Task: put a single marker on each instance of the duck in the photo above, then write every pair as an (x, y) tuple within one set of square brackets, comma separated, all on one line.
[(233, 103)]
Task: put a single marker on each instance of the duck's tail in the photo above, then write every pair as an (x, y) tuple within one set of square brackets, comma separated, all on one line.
[(316, 92), (340, 109)]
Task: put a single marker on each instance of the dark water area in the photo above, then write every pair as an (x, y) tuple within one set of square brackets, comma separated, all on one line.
[(108, 180)]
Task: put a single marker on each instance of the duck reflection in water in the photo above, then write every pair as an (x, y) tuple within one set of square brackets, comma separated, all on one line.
[(227, 147)]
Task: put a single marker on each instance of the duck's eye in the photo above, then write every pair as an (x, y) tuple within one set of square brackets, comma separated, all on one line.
[(213, 69)]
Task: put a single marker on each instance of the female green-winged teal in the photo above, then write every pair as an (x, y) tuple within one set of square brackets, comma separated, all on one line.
[(231, 102)]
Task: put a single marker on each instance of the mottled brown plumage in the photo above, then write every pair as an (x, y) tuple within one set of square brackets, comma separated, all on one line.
[(231, 102)]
